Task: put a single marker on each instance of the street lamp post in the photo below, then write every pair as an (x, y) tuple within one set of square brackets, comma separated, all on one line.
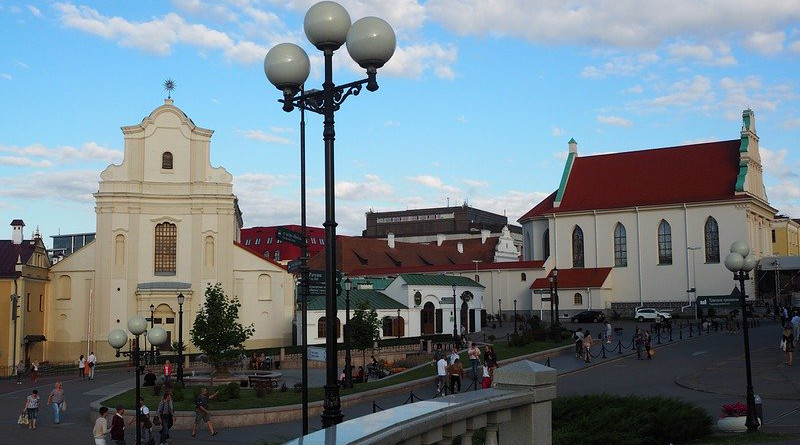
[(557, 322), (552, 301), (398, 323), (15, 308), (181, 299), (152, 320), (500, 311), (740, 261), (455, 319), (371, 43), (118, 338), (515, 315), (348, 370)]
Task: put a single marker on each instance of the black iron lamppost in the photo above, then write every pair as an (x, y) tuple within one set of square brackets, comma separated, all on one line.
[(455, 319), (740, 261), (181, 299), (398, 323), (552, 312), (515, 315), (15, 308), (348, 370), (557, 323), (371, 43), (500, 311), (118, 338), (152, 320)]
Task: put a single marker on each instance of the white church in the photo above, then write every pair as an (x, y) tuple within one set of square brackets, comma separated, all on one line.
[(650, 227), (167, 224)]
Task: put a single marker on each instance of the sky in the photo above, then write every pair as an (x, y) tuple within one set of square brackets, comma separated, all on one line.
[(476, 105)]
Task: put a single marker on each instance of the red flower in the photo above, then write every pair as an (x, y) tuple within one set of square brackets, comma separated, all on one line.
[(738, 409)]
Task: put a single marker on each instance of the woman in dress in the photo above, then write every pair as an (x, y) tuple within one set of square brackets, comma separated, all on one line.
[(787, 344), (587, 347)]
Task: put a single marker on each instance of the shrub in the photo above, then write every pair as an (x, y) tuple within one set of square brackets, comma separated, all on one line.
[(262, 389), (284, 388), (224, 393), (491, 338), (234, 390), (517, 341), (298, 387), (177, 393), (157, 388), (632, 420)]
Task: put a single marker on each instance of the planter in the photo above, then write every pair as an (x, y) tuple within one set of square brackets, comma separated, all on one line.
[(733, 424)]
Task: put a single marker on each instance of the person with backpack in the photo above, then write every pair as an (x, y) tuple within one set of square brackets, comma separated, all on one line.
[(165, 413)]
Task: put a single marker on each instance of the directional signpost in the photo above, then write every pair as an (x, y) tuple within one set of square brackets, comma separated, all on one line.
[(541, 291), (316, 354), (290, 236)]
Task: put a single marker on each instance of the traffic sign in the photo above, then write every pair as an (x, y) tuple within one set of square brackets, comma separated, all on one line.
[(547, 299), (316, 354), (293, 266), (541, 291), (290, 236)]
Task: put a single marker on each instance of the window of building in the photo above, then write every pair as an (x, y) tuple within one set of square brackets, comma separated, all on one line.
[(321, 242), (322, 328), (277, 255), (313, 241), (269, 240), (477, 278), (28, 302), (170, 320), (523, 277), (258, 241), (712, 240), (166, 161), (620, 246), (577, 247), (387, 327), (664, 243), (773, 235), (577, 299), (41, 303), (166, 235), (546, 243), (247, 242), (266, 254)]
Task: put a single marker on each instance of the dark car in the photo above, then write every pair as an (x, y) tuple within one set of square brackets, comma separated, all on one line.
[(588, 317)]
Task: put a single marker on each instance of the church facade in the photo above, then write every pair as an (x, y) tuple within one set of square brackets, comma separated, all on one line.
[(167, 224), (650, 227)]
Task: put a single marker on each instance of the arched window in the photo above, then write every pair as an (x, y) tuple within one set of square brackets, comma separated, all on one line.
[(620, 246), (577, 247), (546, 244), (664, 243), (712, 240), (477, 278), (209, 252), (119, 250), (264, 287), (523, 277), (166, 237), (322, 327), (64, 287), (166, 161), (577, 299), (387, 327)]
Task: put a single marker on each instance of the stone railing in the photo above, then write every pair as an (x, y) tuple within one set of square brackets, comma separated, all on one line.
[(517, 410)]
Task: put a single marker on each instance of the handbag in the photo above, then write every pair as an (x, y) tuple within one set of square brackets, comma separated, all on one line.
[(783, 345), (64, 406), (23, 418)]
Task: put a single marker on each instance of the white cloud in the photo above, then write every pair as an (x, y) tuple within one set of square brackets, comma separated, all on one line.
[(20, 64), (785, 190), (461, 118), (206, 10), (371, 188), (684, 93), (89, 152), (636, 89), (476, 183), (414, 60), (557, 131), (795, 46), (788, 124), (626, 65), (716, 54), (434, 182), (19, 161), (766, 43), (6, 76), (614, 120), (71, 185), (775, 163), (512, 203), (260, 135), (34, 10)]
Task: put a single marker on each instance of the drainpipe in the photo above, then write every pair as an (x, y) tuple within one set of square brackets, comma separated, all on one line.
[(596, 261), (554, 245), (639, 255), (688, 282), (589, 297)]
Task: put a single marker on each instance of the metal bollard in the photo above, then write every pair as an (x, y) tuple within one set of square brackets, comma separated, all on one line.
[(604, 350), (670, 335), (619, 347)]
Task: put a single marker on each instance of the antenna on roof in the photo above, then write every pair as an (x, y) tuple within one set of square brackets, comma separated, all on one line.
[(448, 201)]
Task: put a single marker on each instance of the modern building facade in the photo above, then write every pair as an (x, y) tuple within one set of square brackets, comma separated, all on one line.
[(64, 245), (661, 219), (167, 224), (264, 242)]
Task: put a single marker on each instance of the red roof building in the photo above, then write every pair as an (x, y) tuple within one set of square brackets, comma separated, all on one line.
[(263, 242)]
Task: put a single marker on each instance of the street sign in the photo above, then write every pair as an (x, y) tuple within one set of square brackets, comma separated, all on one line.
[(316, 354), (547, 299), (446, 300), (541, 291), (316, 281), (293, 266), (290, 236), (718, 301)]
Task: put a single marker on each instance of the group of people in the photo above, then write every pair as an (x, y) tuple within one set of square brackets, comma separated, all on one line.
[(260, 362), (791, 333), (642, 341), (451, 368), (55, 400)]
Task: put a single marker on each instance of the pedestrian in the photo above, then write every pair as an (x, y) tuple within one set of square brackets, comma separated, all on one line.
[(441, 373), (648, 344), (638, 341), (165, 412), (796, 325), (101, 427), (82, 367), (201, 412), (609, 331), (167, 373), (146, 430), (56, 400), (784, 315), (577, 337), (91, 362), (490, 359), (20, 371), (34, 371), (456, 374), (32, 408), (118, 426), (464, 334), (474, 353), (787, 344), (453, 356), (587, 347), (487, 378)]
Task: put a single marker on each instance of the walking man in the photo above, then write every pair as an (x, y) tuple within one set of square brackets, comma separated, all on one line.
[(101, 427), (201, 412), (91, 362), (441, 373), (638, 341), (118, 426)]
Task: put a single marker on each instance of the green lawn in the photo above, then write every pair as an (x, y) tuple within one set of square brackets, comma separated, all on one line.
[(277, 398)]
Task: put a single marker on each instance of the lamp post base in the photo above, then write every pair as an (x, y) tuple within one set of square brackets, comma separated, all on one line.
[(331, 407)]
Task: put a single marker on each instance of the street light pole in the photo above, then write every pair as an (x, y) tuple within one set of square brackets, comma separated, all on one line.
[(455, 319), (15, 309), (181, 299), (348, 370), (554, 276), (371, 43), (152, 320), (515, 315), (740, 261), (500, 311), (303, 265)]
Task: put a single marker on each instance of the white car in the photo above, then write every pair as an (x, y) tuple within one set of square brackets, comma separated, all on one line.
[(648, 313)]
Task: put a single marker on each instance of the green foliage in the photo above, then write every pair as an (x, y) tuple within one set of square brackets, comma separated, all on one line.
[(178, 393), (632, 420), (234, 390), (217, 330), (364, 326)]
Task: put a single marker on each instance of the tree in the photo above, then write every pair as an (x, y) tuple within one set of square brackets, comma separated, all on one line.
[(217, 331), (364, 328)]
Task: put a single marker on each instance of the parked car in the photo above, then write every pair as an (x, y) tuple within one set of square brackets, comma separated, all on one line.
[(588, 317), (648, 313)]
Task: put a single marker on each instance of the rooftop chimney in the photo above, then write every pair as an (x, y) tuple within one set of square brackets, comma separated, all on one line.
[(390, 239), (440, 239), (460, 247), (16, 231), (484, 235)]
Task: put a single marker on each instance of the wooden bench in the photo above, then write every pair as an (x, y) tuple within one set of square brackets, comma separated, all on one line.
[(253, 380)]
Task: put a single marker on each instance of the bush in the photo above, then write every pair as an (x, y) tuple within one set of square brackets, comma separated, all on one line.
[(491, 338), (284, 388), (224, 393), (177, 393), (517, 341), (234, 390), (298, 387), (632, 420), (262, 389)]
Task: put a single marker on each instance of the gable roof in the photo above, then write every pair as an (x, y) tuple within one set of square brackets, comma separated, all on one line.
[(674, 175), (277, 264), (9, 252), (418, 279), (376, 300), (575, 278)]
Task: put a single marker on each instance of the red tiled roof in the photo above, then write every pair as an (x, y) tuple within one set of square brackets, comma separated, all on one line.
[(511, 265), (288, 251), (575, 278), (355, 253), (674, 175)]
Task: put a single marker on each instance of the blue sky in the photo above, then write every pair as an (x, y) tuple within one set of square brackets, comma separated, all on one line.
[(477, 104)]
